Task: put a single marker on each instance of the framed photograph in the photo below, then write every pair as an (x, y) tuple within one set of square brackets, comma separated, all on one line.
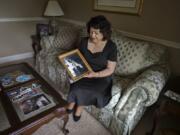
[(30, 99), (42, 29), (75, 64), (13, 78), (123, 6)]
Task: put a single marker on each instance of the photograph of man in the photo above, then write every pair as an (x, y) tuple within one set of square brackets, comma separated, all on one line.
[(75, 65)]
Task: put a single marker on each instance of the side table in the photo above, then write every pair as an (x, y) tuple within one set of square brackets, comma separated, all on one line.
[(167, 116)]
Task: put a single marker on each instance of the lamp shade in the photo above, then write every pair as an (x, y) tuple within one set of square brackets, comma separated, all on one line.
[(53, 9)]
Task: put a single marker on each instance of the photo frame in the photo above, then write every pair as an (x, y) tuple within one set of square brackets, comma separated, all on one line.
[(30, 99), (75, 64), (42, 29), (122, 6)]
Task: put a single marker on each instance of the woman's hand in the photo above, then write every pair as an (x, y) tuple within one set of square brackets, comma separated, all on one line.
[(91, 75)]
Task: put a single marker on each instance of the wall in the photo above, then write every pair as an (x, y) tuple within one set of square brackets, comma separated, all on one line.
[(14, 33), (21, 8), (160, 19)]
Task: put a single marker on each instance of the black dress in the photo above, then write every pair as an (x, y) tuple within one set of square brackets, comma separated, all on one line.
[(94, 91)]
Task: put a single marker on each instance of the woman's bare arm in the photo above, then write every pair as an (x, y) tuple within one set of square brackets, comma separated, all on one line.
[(103, 73)]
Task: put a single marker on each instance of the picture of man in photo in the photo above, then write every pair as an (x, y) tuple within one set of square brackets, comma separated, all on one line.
[(75, 65)]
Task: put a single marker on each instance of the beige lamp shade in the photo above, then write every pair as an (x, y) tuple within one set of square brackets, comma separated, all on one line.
[(53, 9)]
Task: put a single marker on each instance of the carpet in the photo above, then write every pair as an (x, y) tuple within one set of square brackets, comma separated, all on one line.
[(87, 125)]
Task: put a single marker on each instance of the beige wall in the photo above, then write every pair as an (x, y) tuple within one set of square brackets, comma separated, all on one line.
[(21, 8), (15, 36), (160, 18)]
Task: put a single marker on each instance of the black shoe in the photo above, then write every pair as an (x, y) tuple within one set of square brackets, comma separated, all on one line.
[(69, 110), (76, 118)]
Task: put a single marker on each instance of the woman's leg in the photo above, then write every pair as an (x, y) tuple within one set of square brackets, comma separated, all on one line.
[(79, 110), (77, 113), (70, 107)]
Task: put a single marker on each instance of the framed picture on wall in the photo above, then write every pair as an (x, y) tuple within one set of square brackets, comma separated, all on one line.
[(75, 64), (123, 6)]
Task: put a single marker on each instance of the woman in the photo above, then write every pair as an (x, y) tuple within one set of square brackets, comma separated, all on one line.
[(100, 52)]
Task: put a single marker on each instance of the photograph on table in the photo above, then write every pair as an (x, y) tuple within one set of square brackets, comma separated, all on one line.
[(34, 103), (13, 78), (30, 99), (75, 64)]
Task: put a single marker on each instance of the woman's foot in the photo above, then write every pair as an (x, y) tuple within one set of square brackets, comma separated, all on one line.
[(70, 107), (76, 118), (77, 114)]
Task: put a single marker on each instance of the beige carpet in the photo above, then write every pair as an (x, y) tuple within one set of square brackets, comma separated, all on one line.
[(86, 126)]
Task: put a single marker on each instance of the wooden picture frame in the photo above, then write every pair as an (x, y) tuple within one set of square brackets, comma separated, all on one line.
[(123, 6), (75, 64)]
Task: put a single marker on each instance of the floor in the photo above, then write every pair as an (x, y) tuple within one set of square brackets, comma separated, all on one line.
[(146, 122)]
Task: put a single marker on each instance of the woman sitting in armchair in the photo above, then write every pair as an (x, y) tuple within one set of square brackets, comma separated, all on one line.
[(101, 53)]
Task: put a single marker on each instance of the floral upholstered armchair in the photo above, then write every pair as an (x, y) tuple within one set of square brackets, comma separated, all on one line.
[(140, 75)]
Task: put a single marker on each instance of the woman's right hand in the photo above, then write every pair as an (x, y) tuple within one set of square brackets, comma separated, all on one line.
[(91, 75)]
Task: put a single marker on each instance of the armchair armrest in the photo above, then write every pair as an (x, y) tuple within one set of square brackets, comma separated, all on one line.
[(151, 82)]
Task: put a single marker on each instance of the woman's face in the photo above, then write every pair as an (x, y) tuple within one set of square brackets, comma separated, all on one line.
[(95, 35)]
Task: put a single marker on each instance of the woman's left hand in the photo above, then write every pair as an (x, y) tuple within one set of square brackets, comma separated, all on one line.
[(91, 75)]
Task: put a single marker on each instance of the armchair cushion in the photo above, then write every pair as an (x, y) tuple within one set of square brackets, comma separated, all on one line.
[(135, 55)]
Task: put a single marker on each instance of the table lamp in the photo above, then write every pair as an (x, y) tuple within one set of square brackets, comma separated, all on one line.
[(53, 10)]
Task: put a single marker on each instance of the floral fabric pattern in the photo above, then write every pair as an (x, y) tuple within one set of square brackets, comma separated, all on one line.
[(140, 75)]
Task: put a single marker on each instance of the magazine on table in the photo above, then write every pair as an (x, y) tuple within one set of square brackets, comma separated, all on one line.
[(75, 64), (30, 100)]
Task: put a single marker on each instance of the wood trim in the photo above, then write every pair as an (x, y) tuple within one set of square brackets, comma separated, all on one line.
[(15, 57), (22, 19)]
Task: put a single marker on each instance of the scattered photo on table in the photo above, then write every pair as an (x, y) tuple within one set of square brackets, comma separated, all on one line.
[(30, 99), (75, 64), (34, 103), (13, 78)]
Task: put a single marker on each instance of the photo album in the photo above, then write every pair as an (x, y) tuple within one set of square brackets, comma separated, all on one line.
[(29, 100), (75, 64)]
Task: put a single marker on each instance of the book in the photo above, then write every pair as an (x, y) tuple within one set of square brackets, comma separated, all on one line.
[(75, 64)]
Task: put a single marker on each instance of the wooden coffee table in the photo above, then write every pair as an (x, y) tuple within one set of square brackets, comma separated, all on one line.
[(27, 101)]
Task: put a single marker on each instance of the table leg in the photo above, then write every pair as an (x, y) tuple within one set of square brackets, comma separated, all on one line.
[(66, 119)]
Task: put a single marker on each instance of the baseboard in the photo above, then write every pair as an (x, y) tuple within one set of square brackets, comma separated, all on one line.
[(134, 35), (16, 57)]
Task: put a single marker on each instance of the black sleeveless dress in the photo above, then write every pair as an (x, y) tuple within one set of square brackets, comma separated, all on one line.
[(94, 91)]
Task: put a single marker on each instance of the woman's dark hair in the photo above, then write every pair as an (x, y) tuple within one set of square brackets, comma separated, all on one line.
[(101, 23)]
